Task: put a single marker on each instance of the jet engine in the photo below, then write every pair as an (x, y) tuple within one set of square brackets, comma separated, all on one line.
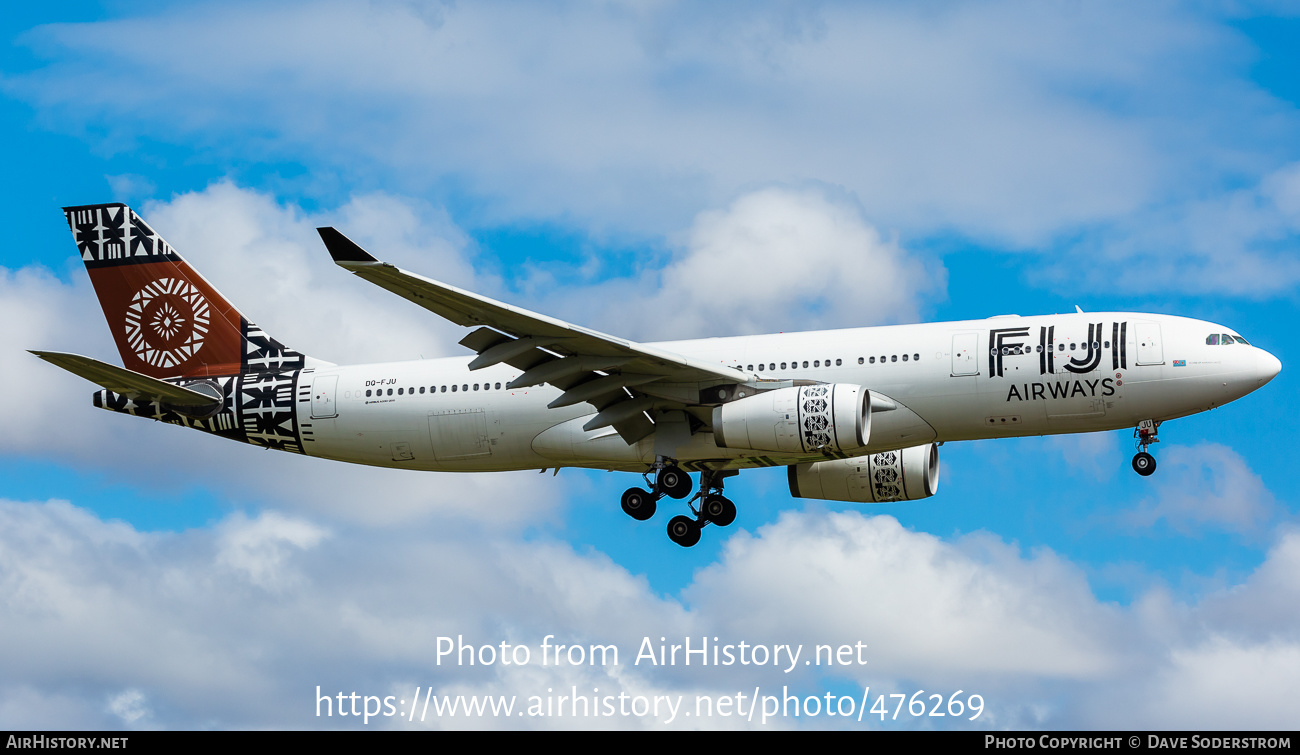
[(799, 419), (903, 475)]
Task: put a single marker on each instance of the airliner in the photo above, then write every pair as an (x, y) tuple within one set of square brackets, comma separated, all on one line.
[(854, 415)]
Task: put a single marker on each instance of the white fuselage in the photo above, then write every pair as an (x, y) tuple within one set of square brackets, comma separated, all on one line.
[(1000, 377)]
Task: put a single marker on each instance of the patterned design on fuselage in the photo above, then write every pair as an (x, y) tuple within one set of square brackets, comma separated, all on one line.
[(265, 405), (256, 408), (114, 235), (222, 423), (815, 417)]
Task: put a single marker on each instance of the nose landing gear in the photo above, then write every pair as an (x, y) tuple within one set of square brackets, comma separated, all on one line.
[(1145, 434)]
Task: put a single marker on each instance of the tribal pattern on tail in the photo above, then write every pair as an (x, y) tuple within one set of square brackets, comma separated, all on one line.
[(257, 405)]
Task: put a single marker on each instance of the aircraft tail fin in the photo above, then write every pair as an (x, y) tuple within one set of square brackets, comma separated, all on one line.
[(166, 319)]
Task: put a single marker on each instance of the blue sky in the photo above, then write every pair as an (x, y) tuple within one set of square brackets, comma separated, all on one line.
[(596, 162)]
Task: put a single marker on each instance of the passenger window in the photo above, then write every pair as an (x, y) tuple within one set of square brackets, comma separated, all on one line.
[(873, 360), (498, 386), (916, 357), (390, 391), (817, 363), (1061, 347), (894, 358), (367, 394), (453, 389), (464, 387), (444, 389), (783, 365), (421, 390), (399, 391), (837, 362), (904, 357), (805, 364)]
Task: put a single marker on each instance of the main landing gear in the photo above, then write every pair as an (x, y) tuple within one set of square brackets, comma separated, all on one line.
[(1145, 434), (671, 481)]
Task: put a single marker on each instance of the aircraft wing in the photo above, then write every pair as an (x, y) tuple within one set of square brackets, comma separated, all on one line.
[(134, 385), (620, 378)]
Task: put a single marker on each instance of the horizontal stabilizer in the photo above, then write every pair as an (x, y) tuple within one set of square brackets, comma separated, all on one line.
[(132, 384)]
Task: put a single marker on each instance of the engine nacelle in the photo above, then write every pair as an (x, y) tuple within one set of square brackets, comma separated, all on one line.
[(904, 475), (798, 420)]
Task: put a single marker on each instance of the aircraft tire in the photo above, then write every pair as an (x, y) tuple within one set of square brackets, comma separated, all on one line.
[(1144, 463), (673, 482), (684, 531), (638, 504), (718, 510)]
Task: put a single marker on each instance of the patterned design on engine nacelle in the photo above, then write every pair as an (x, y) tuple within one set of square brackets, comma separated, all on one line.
[(886, 475), (815, 411), (902, 475), (834, 420)]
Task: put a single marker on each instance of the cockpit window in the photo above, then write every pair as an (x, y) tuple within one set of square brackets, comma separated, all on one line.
[(1225, 339), (1241, 340), (1212, 339)]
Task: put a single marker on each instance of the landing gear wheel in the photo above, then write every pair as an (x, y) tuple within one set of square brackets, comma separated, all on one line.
[(1144, 463), (673, 482), (684, 531), (638, 504), (718, 510)]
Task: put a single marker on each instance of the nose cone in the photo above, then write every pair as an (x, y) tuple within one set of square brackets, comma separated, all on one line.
[(1268, 366)]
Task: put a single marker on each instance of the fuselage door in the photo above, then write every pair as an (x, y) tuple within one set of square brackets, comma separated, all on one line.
[(964, 349), (1148, 343), (323, 391)]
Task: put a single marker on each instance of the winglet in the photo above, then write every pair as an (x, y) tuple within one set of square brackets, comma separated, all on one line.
[(342, 248)]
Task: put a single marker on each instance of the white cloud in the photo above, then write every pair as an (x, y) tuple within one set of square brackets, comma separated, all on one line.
[(928, 608), (1206, 485), (93, 611), (1236, 243), (130, 705), (776, 259), (260, 549), (1093, 454), (1010, 122)]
